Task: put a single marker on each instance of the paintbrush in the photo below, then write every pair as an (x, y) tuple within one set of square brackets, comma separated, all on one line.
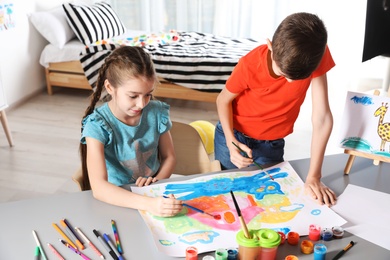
[(243, 225), (258, 165), (196, 209)]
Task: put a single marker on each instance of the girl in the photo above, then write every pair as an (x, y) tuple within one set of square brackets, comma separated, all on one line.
[(127, 139)]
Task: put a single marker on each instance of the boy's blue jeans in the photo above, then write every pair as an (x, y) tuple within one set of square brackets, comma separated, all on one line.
[(263, 152)]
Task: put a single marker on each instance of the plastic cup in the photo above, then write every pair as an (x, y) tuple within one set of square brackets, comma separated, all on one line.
[(319, 251), (248, 248), (269, 241)]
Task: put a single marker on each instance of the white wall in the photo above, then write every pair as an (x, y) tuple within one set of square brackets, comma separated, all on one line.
[(20, 47)]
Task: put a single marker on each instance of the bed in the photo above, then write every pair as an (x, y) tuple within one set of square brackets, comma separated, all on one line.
[(189, 65)]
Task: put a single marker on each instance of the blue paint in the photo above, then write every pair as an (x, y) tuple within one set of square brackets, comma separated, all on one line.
[(203, 233), (316, 212), (364, 100), (218, 186)]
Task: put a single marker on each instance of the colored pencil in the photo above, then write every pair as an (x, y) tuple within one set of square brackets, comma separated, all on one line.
[(243, 225), (258, 165), (115, 230), (63, 235), (112, 246), (74, 250), (89, 243), (55, 251), (105, 245), (71, 234), (39, 244)]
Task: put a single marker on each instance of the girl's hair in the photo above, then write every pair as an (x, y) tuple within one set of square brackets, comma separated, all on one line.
[(298, 45), (122, 64)]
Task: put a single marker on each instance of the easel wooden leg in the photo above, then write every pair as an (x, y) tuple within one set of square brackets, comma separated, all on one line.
[(348, 166), (4, 122)]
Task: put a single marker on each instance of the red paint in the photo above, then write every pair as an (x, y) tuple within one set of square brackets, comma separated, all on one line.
[(191, 253), (314, 232), (293, 238), (217, 217)]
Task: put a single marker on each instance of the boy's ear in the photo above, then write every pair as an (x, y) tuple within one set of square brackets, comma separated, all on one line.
[(269, 44)]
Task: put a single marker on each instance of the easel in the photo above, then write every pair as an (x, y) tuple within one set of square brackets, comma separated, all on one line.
[(352, 153)]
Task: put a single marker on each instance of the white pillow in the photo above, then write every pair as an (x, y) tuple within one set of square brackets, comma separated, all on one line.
[(53, 26), (92, 23)]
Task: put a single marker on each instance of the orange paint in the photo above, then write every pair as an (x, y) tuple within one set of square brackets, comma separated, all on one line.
[(229, 217), (251, 200)]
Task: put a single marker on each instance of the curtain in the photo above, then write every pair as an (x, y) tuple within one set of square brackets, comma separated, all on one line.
[(232, 18)]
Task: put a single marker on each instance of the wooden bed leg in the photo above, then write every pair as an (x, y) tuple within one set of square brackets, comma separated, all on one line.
[(48, 85)]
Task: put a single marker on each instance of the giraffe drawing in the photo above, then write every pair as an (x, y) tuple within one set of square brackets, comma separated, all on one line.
[(383, 128)]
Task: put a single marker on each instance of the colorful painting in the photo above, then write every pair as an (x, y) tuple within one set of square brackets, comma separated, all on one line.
[(280, 205), (366, 124), (6, 15)]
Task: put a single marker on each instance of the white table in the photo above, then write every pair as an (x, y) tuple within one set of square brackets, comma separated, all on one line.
[(18, 219)]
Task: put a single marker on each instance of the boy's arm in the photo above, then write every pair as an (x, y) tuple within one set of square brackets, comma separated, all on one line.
[(322, 122), (225, 114)]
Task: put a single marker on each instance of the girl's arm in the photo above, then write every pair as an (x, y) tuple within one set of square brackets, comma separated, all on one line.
[(225, 114), (322, 122), (112, 194)]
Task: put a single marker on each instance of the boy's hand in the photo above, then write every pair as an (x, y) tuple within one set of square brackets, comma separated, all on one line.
[(320, 192), (236, 156)]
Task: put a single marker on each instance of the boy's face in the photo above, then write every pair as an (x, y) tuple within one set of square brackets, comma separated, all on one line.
[(275, 67), (277, 70)]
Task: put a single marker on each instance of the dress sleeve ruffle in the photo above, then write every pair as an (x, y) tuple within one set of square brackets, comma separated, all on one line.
[(96, 126), (165, 123)]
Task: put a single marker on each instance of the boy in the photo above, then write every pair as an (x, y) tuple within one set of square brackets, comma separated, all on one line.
[(261, 100)]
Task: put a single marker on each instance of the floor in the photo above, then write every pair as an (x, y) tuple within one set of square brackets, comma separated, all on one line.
[(46, 132)]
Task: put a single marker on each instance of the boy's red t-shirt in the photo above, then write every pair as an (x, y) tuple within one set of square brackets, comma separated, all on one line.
[(267, 108)]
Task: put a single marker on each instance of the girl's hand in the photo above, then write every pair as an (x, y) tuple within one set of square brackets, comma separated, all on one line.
[(165, 207), (320, 192), (145, 181), (236, 156)]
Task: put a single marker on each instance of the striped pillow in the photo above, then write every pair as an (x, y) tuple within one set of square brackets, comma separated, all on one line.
[(92, 23)]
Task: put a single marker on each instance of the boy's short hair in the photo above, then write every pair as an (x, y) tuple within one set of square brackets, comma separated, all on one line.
[(298, 45)]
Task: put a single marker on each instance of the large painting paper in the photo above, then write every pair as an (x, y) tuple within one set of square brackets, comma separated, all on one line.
[(280, 205)]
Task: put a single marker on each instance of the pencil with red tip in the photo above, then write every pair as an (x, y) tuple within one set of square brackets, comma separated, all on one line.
[(243, 225), (254, 162)]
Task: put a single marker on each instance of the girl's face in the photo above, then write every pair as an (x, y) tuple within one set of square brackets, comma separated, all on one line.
[(129, 99)]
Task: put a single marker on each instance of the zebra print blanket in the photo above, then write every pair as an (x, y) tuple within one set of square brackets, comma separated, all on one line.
[(195, 60)]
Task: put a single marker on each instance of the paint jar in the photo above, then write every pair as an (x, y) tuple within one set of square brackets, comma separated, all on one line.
[(293, 238), (282, 237), (291, 257), (232, 254), (208, 257), (319, 251), (221, 254), (338, 232), (314, 232), (191, 253), (326, 234), (307, 247), (269, 241), (248, 248)]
